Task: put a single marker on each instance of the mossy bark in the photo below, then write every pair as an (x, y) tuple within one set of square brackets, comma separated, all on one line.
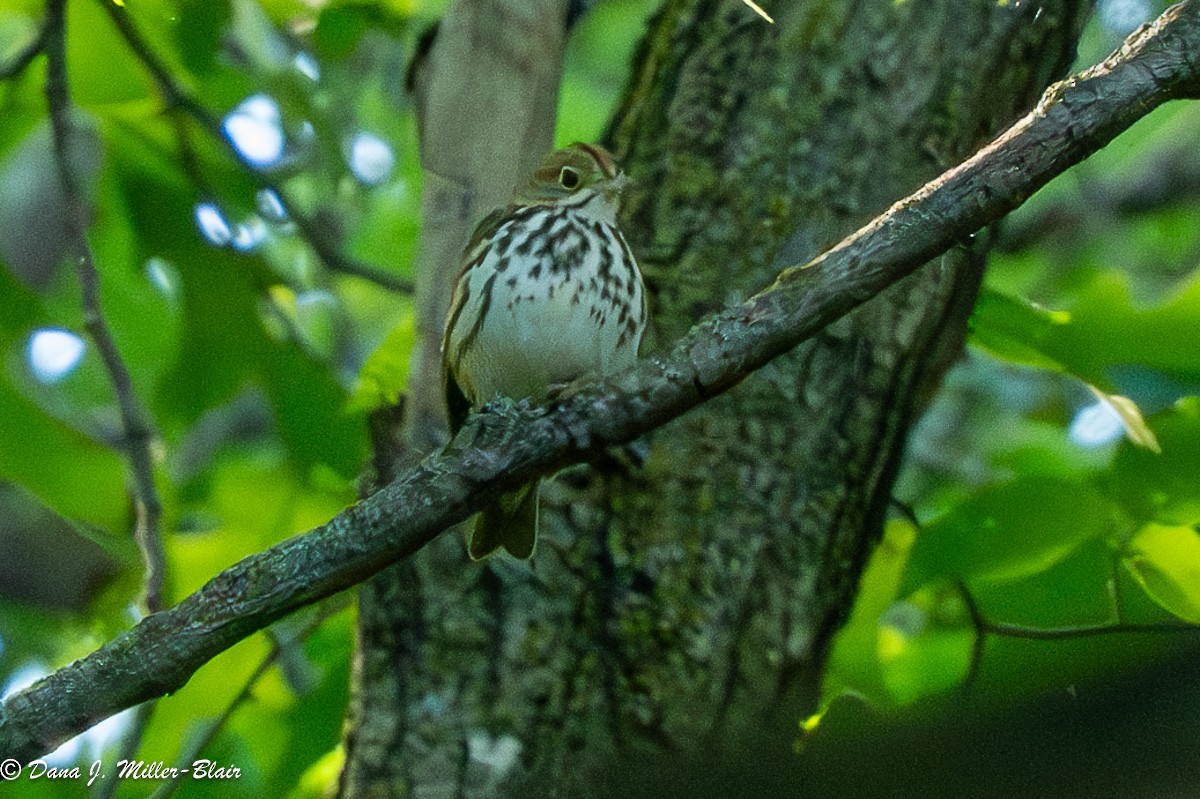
[(683, 601)]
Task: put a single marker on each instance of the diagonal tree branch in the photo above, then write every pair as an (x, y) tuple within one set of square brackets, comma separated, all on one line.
[(506, 446)]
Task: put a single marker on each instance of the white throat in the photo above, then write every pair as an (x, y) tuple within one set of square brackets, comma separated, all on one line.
[(599, 208)]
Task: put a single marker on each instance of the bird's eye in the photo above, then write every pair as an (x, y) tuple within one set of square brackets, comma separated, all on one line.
[(569, 178)]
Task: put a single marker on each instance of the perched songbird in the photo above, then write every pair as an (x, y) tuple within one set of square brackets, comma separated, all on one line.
[(548, 292)]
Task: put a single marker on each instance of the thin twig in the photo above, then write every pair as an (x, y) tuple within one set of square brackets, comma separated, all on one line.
[(985, 627), (137, 432), (130, 745), (1085, 630), (279, 645), (25, 56), (176, 96), (977, 644)]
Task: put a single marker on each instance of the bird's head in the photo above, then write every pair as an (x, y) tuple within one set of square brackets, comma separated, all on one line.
[(582, 176)]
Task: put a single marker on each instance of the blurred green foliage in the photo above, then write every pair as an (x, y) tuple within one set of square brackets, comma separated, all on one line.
[(1051, 487), (258, 363)]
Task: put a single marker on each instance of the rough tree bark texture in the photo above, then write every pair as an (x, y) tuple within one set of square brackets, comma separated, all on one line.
[(693, 598)]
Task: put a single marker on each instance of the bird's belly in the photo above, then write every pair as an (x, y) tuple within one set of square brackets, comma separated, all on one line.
[(530, 343)]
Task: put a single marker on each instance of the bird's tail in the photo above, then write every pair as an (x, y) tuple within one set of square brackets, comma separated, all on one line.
[(511, 523)]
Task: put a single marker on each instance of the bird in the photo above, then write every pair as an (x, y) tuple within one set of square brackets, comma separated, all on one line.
[(548, 291)]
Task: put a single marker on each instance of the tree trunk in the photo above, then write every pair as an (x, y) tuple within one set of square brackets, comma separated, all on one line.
[(679, 604)]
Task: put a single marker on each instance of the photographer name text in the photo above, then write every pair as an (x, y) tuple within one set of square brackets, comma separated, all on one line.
[(12, 769)]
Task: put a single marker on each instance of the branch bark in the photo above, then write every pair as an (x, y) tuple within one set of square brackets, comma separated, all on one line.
[(507, 446)]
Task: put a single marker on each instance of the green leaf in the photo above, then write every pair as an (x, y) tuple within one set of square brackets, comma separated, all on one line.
[(311, 414), (1032, 447), (321, 778), (20, 308), (854, 661), (1102, 328), (254, 502), (142, 317), (339, 27), (925, 644), (1110, 329), (220, 339), (1075, 591), (198, 32), (101, 68), (1165, 560), (54, 461), (1015, 329), (389, 224), (1162, 487), (384, 376), (1010, 530)]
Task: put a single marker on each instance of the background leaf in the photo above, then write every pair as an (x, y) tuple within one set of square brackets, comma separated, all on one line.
[(1166, 562)]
